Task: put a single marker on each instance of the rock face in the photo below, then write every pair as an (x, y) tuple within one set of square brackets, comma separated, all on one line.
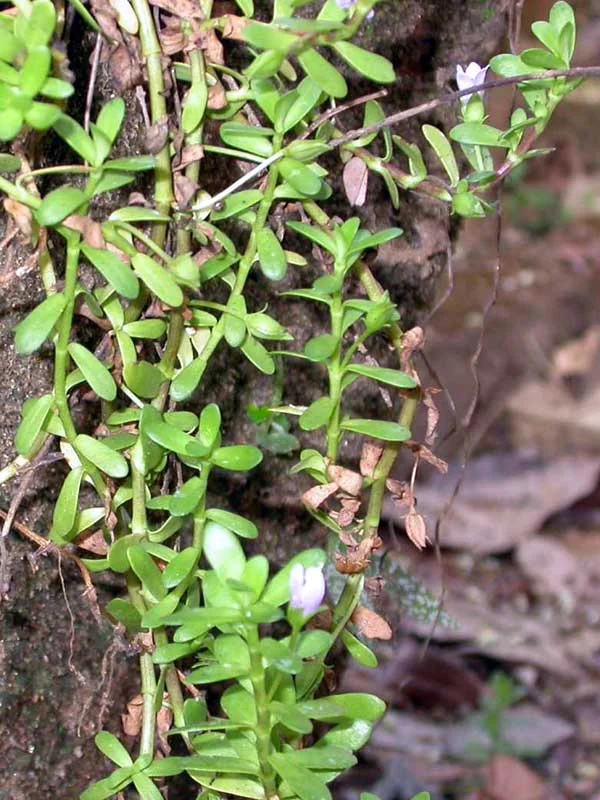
[(51, 698)]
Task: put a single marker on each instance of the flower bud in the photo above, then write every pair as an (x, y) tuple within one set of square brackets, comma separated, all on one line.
[(307, 589)]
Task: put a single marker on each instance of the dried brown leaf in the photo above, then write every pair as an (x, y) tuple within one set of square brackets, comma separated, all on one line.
[(511, 779), (88, 228), (416, 530), (190, 154), (433, 414), (157, 136), (93, 542), (164, 720), (348, 512), (412, 340), (22, 216), (439, 463), (131, 721), (356, 181), (185, 189), (369, 458), (357, 558), (213, 49), (184, 9), (577, 356), (233, 27), (315, 497), (216, 97), (371, 624), (347, 480)]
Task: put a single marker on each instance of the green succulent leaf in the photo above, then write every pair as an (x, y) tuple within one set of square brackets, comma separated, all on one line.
[(94, 371), (118, 274), (58, 205), (443, 150), (372, 66), (112, 748), (223, 551), (238, 457), (304, 784), (65, 510), (391, 377), (37, 326), (387, 431), (271, 255), (100, 454), (35, 414), (234, 522), (323, 73), (317, 414), (157, 279)]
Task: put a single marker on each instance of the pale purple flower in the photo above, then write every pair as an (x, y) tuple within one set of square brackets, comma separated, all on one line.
[(307, 588), (471, 78), (346, 5)]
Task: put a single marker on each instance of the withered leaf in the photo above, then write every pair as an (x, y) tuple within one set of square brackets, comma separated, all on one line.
[(357, 558), (164, 720), (93, 542), (371, 624), (412, 340), (21, 214), (88, 228), (369, 458), (216, 97), (209, 42), (346, 479), (184, 9), (315, 497), (131, 721), (439, 463), (416, 530), (189, 154), (185, 189), (356, 181), (233, 27), (348, 512), (433, 415), (157, 136)]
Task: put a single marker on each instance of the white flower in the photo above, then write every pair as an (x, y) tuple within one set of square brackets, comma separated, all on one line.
[(307, 588), (471, 78)]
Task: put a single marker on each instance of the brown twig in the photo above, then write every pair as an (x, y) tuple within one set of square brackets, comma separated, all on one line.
[(448, 99), (333, 112)]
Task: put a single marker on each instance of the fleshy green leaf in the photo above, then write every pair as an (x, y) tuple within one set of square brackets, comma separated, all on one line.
[(239, 525), (300, 177), (388, 431), (37, 326), (146, 570), (75, 136), (239, 458), (143, 378), (359, 651), (116, 272), (258, 355), (58, 205), (323, 73), (372, 66), (303, 783), (443, 150), (35, 413), (317, 414), (106, 459), (223, 551), (65, 510), (320, 348), (157, 279), (94, 371), (271, 256), (112, 748), (391, 377)]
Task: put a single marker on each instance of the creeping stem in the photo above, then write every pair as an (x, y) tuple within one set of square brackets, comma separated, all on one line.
[(263, 717)]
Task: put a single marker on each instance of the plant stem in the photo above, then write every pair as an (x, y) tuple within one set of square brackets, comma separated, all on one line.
[(152, 52), (263, 717)]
